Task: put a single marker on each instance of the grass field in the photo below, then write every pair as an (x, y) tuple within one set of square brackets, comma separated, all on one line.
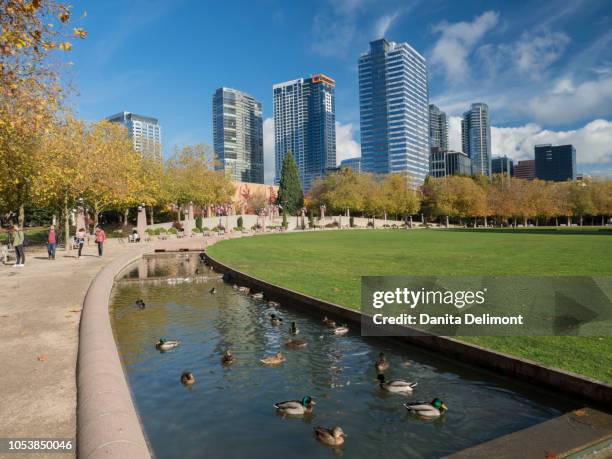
[(328, 265)]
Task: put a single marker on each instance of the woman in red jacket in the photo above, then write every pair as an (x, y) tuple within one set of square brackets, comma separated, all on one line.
[(100, 238)]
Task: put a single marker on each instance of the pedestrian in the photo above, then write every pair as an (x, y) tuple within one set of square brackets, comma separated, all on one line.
[(100, 238), (18, 240), (51, 242), (80, 240)]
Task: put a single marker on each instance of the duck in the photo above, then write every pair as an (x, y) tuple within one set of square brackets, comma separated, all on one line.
[(296, 343), (257, 296), (293, 329), (382, 363), (228, 358), (343, 330), (213, 290), (140, 303), (235, 287), (275, 320), (273, 359), (329, 323), (244, 290), (396, 385), (433, 409), (296, 407), (332, 437), (188, 378), (273, 304), (164, 344)]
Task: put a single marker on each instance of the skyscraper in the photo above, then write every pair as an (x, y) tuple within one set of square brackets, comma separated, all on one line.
[(502, 165), (144, 131), (525, 169), (555, 163), (394, 114), (238, 135), (353, 163), (476, 138), (438, 128), (305, 125)]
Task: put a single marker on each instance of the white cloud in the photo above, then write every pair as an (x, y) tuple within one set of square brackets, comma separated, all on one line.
[(564, 86), (589, 99), (593, 141), (384, 23), (535, 52), (346, 146), (269, 158), (457, 41)]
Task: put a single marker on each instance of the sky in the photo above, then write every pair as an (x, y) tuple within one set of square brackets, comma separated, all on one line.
[(543, 67)]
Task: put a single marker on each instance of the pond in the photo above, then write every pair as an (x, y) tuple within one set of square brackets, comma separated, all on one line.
[(229, 411)]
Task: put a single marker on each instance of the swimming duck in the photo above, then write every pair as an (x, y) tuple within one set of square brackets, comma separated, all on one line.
[(382, 363), (332, 437), (244, 290), (213, 291), (296, 407), (140, 303), (275, 320), (343, 330), (188, 378), (164, 345), (235, 287), (273, 359), (427, 410), (293, 329), (228, 358), (395, 385), (328, 322), (273, 304), (296, 343), (257, 296)]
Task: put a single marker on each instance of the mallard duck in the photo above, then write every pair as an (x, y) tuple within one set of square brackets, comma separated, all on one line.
[(273, 304), (293, 329), (188, 378), (273, 359), (332, 437), (296, 343), (395, 385), (275, 320), (382, 363), (427, 410), (244, 290), (296, 407), (257, 296), (164, 345), (228, 358), (329, 323), (140, 303), (213, 290), (343, 330)]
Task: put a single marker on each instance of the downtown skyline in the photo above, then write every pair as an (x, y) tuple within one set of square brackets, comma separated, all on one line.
[(563, 65)]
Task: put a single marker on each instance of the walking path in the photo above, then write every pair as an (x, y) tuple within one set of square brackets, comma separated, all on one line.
[(40, 307)]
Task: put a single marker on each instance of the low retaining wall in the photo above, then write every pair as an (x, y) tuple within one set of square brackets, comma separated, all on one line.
[(579, 387), (107, 422)]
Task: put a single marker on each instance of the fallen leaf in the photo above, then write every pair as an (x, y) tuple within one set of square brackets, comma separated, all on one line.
[(581, 413), (42, 358)]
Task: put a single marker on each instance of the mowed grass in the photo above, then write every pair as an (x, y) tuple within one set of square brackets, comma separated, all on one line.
[(329, 265)]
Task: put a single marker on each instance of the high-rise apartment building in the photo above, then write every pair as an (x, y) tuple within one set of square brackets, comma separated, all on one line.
[(476, 138), (502, 165), (394, 112), (238, 135), (305, 125), (144, 131), (438, 128), (555, 163)]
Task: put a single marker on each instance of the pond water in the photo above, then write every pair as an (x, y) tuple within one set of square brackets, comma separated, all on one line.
[(229, 413)]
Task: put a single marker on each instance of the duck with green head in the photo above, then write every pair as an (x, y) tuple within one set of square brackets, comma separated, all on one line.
[(296, 407), (164, 344), (427, 410)]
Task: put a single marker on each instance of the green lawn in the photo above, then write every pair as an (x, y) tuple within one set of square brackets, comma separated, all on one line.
[(328, 265)]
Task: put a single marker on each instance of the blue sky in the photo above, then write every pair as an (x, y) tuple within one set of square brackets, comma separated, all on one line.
[(544, 68)]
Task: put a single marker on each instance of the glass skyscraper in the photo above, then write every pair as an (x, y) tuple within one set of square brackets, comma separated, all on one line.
[(394, 113), (238, 135), (438, 128), (476, 138), (144, 131), (305, 125), (556, 163)]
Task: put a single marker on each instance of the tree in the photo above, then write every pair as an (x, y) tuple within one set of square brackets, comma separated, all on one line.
[(290, 194), (399, 196)]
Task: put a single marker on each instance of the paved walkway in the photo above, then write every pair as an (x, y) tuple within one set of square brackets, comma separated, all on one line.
[(40, 308)]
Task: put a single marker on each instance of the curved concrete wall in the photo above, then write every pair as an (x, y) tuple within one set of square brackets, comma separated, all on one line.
[(107, 422)]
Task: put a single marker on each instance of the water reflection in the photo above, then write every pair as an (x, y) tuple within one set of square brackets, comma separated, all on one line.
[(229, 411)]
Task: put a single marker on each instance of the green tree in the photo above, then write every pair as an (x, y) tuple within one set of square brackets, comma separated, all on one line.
[(290, 194)]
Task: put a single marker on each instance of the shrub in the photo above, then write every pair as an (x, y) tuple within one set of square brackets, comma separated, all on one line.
[(151, 231), (197, 230), (333, 224), (177, 226), (199, 223), (352, 221), (239, 222), (172, 230), (370, 224)]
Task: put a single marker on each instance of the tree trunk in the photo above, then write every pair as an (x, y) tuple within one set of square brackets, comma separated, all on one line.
[(411, 221), (525, 222), (569, 221), (556, 221), (151, 217), (178, 214), (485, 222), (66, 225), (602, 221), (21, 217), (446, 221), (581, 220)]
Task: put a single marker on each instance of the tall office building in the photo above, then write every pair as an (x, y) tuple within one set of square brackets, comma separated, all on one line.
[(305, 125), (476, 138), (144, 131), (238, 135), (555, 163), (438, 128), (525, 169), (502, 165), (353, 163), (447, 162), (394, 112)]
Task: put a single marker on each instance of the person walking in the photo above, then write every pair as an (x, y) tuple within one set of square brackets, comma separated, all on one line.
[(18, 240), (80, 240), (100, 238), (51, 242)]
